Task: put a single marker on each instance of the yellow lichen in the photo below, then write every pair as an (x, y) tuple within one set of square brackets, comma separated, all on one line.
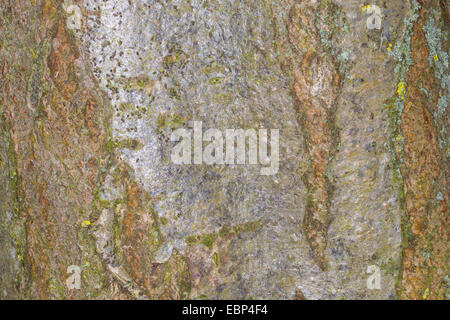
[(85, 223), (426, 293), (401, 90)]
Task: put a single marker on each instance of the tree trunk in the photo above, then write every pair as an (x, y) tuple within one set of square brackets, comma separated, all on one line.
[(92, 92)]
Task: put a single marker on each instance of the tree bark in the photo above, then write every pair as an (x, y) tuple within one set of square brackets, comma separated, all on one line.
[(91, 92)]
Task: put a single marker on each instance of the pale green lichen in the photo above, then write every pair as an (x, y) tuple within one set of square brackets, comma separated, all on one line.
[(401, 51), (438, 59), (216, 258)]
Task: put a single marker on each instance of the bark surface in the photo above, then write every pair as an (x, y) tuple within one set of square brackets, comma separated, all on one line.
[(92, 90)]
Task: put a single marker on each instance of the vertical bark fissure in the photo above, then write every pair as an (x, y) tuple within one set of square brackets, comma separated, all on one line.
[(317, 84)]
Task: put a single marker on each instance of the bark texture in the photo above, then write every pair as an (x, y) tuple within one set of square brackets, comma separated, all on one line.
[(91, 91)]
